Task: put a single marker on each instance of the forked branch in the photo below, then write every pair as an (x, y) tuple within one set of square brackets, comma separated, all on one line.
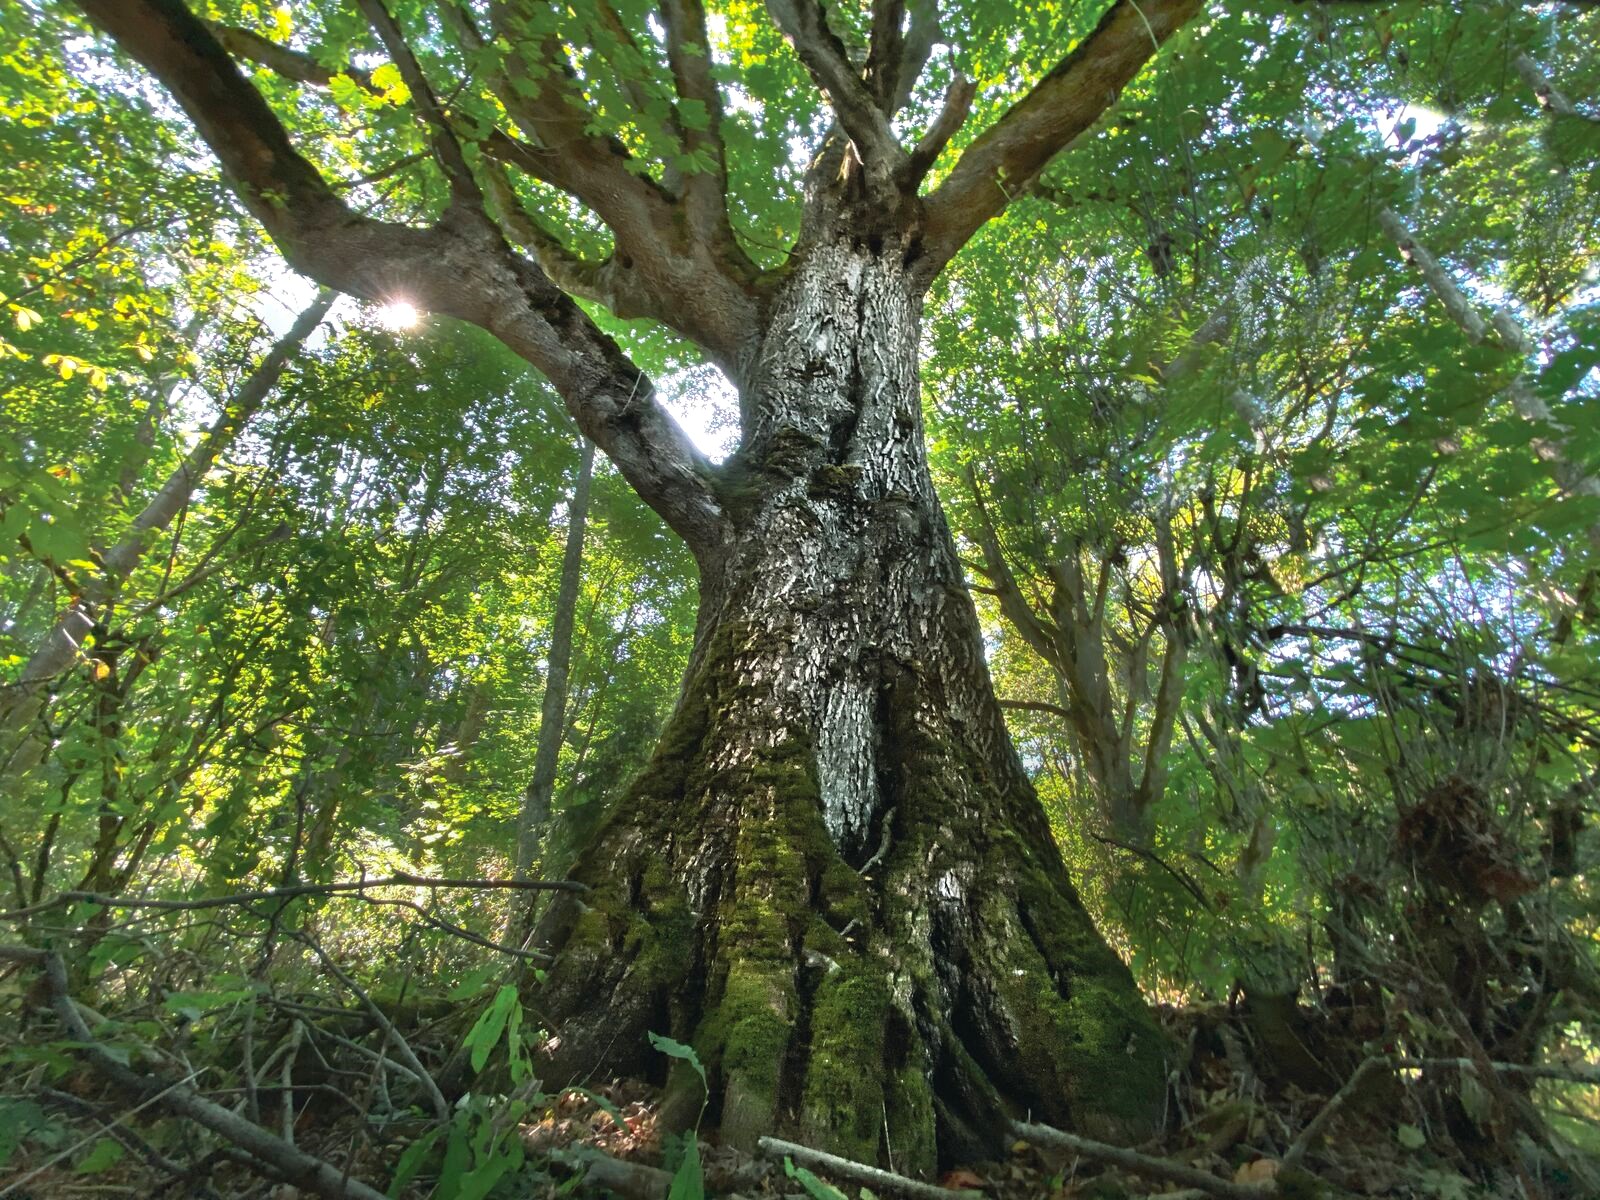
[(860, 116), (1006, 157), (461, 266)]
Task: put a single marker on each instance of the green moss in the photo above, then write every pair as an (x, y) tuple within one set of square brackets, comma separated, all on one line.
[(745, 1039), (1083, 1024), (833, 482), (843, 1102), (844, 894), (913, 1127)]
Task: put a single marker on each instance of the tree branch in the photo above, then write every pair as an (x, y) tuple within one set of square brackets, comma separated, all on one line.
[(957, 104), (1006, 157), (885, 49), (1038, 706), (689, 59), (1502, 329), (863, 121), (875, 1177), (915, 48), (1143, 1164), (295, 891), (446, 146), (461, 266), (291, 64), (1551, 98)]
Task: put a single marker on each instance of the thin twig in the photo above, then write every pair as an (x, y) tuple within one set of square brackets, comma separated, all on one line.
[(400, 879), (874, 1177), (1319, 1123), (273, 1153), (441, 1106)]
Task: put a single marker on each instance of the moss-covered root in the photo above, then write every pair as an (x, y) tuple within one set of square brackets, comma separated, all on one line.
[(1068, 1035), (897, 1015)]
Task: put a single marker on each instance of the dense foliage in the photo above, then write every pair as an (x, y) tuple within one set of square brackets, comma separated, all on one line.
[(1267, 420)]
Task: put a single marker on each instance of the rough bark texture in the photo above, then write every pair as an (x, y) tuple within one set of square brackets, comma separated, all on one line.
[(834, 879)]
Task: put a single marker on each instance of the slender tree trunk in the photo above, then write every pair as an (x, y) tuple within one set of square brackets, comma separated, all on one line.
[(1502, 328), (144, 434), (535, 815), (834, 878), (59, 649)]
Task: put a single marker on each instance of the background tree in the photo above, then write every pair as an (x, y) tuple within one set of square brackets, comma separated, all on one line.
[(1262, 419)]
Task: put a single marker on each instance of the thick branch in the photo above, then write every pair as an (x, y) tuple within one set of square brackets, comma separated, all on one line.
[(957, 104), (1004, 160), (860, 116), (915, 49), (886, 49), (689, 59), (461, 267)]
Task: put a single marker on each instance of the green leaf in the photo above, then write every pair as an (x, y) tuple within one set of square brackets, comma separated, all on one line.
[(102, 1156), (18, 1120), (816, 1188), (473, 982), (688, 1181), (457, 1154), (678, 1050), (1410, 1137), (505, 1157), (485, 1034), (410, 1162)]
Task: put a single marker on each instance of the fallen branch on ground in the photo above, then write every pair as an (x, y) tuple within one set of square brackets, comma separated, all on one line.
[(1143, 1164), (277, 1156), (632, 1180), (873, 1177)]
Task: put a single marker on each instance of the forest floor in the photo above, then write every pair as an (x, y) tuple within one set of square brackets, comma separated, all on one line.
[(1230, 1134)]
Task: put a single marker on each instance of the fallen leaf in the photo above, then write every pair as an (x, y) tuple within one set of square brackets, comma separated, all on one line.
[(961, 1179), (1263, 1170)]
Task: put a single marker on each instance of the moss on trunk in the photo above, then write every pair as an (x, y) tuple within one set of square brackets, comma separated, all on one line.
[(834, 878)]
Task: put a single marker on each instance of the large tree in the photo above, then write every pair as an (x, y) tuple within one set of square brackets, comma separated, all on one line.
[(834, 879)]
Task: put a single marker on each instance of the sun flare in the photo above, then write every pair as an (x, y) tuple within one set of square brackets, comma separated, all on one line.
[(398, 315)]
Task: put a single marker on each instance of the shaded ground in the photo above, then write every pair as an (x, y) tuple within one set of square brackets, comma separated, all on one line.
[(1227, 1119)]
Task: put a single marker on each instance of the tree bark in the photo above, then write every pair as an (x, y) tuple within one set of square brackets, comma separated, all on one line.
[(834, 878), (535, 814)]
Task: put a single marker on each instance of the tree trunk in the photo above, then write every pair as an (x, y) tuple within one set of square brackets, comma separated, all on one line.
[(834, 878), (535, 814)]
